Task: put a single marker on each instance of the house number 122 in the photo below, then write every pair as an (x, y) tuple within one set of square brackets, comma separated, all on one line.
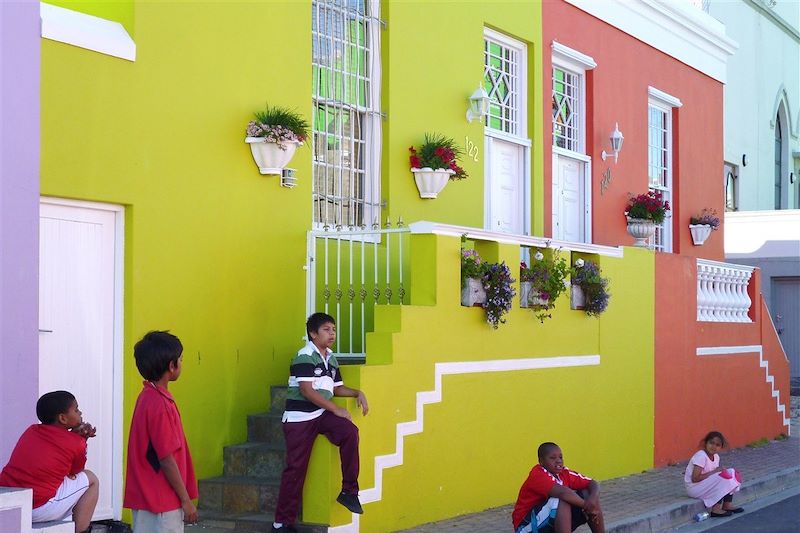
[(472, 150)]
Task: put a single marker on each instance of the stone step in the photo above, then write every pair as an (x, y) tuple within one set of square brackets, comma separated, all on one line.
[(265, 427), (254, 459), (277, 395), (239, 494), (212, 522)]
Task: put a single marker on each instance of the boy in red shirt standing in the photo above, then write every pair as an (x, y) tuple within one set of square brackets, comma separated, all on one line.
[(49, 458), (548, 501), (160, 483)]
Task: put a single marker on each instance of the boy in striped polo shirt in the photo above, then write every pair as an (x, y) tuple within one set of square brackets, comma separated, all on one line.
[(314, 379)]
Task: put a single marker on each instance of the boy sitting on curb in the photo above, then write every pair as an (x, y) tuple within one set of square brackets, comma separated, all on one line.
[(548, 501), (160, 484), (49, 458), (314, 379)]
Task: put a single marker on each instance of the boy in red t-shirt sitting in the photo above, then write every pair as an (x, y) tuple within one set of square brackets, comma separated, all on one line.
[(548, 501), (49, 458), (160, 482)]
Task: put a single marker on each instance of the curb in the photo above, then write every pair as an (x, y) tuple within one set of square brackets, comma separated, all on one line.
[(679, 514)]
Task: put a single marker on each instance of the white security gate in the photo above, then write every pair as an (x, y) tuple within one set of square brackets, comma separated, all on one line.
[(80, 325)]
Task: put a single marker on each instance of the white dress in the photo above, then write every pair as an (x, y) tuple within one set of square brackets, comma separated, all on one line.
[(713, 488)]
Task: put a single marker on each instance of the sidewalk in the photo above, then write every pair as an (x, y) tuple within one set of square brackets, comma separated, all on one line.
[(656, 500)]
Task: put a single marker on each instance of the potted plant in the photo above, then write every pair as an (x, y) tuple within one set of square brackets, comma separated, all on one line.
[(434, 163), (589, 288), (643, 213), (472, 291), (500, 292), (702, 225), (548, 280), (274, 136)]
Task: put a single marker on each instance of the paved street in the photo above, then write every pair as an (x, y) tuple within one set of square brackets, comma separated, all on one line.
[(781, 517)]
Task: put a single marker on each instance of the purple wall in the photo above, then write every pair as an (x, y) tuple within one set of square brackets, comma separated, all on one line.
[(9, 520), (20, 36)]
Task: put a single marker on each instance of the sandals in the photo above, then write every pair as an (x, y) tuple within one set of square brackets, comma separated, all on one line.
[(726, 514), (735, 510)]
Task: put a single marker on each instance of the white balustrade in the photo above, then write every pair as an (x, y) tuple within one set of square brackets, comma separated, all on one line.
[(722, 292)]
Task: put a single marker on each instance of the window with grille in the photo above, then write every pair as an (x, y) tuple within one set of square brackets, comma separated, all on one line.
[(346, 112), (731, 177), (567, 119), (659, 141), (501, 79)]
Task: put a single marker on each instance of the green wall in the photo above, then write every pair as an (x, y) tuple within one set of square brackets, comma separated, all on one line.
[(121, 11)]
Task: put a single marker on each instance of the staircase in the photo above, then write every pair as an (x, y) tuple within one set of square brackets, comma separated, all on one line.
[(243, 499)]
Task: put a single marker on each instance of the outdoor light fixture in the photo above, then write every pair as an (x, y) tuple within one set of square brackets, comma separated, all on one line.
[(478, 104), (616, 143)]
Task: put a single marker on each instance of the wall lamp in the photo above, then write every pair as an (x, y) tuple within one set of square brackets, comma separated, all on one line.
[(616, 144), (478, 104)]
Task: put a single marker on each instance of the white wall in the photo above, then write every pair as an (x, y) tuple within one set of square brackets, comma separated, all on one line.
[(766, 64)]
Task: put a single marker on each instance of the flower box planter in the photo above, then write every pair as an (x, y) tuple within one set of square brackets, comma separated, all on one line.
[(641, 229), (577, 298), (431, 182), (700, 233), (535, 299), (525, 288), (271, 157), (472, 293)]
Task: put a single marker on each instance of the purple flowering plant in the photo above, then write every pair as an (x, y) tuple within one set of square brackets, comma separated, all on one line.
[(548, 275), (588, 276), (708, 217), (278, 125), (500, 292), (471, 265)]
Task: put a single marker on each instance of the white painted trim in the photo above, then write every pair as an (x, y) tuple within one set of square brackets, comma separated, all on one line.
[(574, 155), (119, 281), (763, 363), (664, 98), (404, 429), (522, 64), (85, 31), (570, 57), (22, 499), (676, 28), (722, 264), (508, 137), (436, 228)]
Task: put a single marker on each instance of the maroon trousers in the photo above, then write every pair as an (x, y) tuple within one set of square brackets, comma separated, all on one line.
[(300, 438)]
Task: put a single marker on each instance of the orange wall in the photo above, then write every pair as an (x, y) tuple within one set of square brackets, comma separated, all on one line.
[(617, 92), (696, 394)]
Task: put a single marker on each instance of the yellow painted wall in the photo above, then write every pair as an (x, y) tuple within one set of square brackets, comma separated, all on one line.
[(479, 443), (121, 11)]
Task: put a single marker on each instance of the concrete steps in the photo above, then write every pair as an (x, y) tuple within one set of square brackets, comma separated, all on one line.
[(244, 497)]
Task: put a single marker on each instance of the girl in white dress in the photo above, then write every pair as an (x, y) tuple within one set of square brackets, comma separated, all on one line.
[(706, 480)]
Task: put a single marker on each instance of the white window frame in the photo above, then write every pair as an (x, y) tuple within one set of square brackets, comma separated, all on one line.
[(576, 63), (665, 103), (521, 135), (372, 127)]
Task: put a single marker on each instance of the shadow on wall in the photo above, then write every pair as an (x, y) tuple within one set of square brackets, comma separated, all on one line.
[(782, 248)]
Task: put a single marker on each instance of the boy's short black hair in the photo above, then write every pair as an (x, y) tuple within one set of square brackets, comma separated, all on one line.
[(155, 352), (52, 404), (545, 447), (316, 321)]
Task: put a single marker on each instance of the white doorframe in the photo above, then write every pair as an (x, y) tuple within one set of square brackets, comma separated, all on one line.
[(119, 257)]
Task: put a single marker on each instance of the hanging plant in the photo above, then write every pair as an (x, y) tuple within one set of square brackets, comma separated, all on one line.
[(588, 276), (500, 292)]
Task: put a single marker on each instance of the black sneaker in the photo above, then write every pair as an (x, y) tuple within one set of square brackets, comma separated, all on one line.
[(284, 529), (351, 502)]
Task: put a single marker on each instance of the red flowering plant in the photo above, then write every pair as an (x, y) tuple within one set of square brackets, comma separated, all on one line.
[(437, 152), (648, 206)]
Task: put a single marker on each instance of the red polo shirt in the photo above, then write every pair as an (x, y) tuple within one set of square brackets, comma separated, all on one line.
[(156, 433), (536, 489), (42, 458)]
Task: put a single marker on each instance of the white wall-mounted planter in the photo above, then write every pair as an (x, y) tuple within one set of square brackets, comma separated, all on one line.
[(641, 229), (700, 233), (430, 182), (472, 293), (577, 298), (525, 288), (270, 157)]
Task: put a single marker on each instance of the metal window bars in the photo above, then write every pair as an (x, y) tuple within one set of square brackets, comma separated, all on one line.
[(501, 81)]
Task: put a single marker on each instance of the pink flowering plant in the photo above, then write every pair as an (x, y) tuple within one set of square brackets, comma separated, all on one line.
[(708, 217), (648, 206), (471, 266), (437, 152), (548, 277), (278, 125), (588, 276)]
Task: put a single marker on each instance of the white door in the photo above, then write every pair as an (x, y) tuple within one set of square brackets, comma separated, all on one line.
[(786, 316), (570, 211), (505, 185), (80, 324)]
